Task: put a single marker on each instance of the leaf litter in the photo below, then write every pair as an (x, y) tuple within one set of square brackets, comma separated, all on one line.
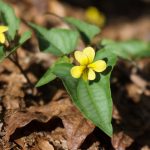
[(55, 123)]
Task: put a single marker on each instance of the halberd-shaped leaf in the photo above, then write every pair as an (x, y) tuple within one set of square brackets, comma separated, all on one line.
[(63, 39), (42, 35), (9, 18), (57, 41), (86, 29), (132, 49)]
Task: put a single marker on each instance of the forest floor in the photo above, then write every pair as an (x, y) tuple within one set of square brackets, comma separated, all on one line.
[(45, 118)]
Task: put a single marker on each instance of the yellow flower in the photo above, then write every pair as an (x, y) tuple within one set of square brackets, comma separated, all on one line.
[(2, 36), (87, 67), (93, 15)]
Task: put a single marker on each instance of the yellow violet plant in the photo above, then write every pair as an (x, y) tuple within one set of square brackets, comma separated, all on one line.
[(93, 99), (9, 26), (2, 35), (87, 66)]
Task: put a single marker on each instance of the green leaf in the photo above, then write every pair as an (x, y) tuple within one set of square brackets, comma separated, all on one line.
[(1, 52), (62, 71), (87, 30), (46, 78), (95, 102), (42, 36), (132, 49), (109, 57), (24, 37), (92, 98), (9, 18), (95, 99), (57, 41), (49, 75), (63, 39)]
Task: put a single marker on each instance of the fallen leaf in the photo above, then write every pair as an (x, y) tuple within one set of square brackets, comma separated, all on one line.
[(22, 143), (77, 127), (44, 145), (18, 119), (145, 148), (134, 92), (116, 114), (121, 141)]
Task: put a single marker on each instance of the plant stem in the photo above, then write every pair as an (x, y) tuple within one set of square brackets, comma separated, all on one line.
[(15, 60)]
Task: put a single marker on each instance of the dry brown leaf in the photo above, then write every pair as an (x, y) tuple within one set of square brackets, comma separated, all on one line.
[(77, 127), (134, 92), (140, 82), (57, 8), (145, 148), (125, 30), (116, 114), (44, 145), (22, 143), (17, 119), (121, 141)]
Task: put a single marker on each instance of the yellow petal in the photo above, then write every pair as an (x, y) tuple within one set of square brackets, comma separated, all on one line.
[(91, 74), (85, 75), (98, 66), (76, 71), (93, 15), (2, 38), (3, 29), (81, 57), (90, 53)]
